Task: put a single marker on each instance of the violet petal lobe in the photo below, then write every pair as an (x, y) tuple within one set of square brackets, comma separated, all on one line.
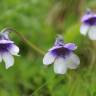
[(70, 46), (49, 58), (60, 66)]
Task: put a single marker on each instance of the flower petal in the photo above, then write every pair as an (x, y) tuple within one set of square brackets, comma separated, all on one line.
[(84, 29), (87, 16), (8, 59), (5, 41), (60, 66), (48, 58), (14, 50), (55, 47), (73, 61), (92, 33), (70, 46)]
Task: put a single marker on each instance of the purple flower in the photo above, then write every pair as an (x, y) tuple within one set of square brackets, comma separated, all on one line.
[(62, 56), (89, 25), (7, 49)]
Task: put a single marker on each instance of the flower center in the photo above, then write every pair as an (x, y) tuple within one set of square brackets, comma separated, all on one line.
[(61, 51), (4, 47), (91, 21)]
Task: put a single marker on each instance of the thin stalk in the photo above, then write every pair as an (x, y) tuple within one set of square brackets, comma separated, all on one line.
[(33, 46), (93, 55), (43, 85), (25, 40)]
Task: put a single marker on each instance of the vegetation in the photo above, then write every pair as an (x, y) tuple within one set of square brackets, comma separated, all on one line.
[(39, 21)]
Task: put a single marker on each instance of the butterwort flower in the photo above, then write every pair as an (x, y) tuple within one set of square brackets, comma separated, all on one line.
[(7, 49), (88, 26), (62, 56)]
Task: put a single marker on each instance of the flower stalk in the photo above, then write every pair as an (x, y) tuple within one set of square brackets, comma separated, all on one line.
[(34, 47)]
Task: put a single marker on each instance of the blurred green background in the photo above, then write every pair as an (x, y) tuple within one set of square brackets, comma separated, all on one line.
[(39, 21)]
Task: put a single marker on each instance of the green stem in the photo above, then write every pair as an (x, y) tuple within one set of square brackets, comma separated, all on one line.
[(34, 47), (31, 44), (43, 85), (92, 50)]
